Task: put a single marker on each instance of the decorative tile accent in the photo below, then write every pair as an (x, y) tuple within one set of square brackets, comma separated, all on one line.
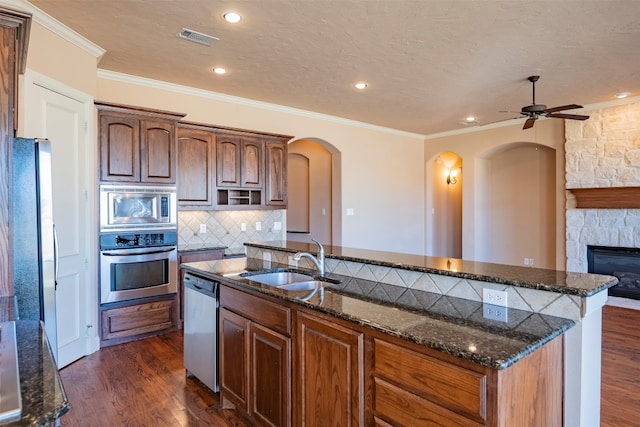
[(224, 228)]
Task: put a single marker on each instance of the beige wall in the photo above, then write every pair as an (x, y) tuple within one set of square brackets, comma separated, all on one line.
[(476, 149), (382, 171), (54, 57)]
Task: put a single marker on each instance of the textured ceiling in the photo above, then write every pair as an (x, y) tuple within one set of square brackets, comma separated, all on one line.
[(429, 63)]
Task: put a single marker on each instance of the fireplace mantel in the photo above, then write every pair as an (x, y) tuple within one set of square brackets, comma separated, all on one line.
[(607, 197)]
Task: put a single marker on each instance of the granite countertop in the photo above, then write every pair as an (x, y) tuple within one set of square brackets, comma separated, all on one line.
[(451, 325), (581, 284), (43, 397)]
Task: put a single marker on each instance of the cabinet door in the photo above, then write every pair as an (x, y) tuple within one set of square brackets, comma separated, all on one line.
[(119, 148), (157, 152), (195, 167), (270, 376), (276, 173), (228, 161), (234, 359), (251, 163), (330, 378)]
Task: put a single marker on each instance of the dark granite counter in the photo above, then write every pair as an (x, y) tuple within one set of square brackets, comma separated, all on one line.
[(452, 325), (580, 284), (43, 397)]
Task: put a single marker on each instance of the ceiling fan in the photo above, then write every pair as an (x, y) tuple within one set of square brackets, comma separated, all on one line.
[(533, 111)]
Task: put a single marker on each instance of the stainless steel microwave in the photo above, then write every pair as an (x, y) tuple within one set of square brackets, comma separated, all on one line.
[(141, 208)]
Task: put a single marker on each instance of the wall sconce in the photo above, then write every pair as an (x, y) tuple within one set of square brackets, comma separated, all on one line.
[(452, 176)]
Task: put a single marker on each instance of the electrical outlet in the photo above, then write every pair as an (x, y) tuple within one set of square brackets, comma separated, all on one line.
[(277, 225), (243, 226), (491, 296), (495, 312), (266, 259), (258, 226), (203, 228)]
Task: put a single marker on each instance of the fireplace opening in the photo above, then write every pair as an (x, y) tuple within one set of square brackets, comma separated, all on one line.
[(623, 263)]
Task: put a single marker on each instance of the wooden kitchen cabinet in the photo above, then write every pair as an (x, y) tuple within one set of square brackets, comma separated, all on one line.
[(330, 373), (128, 321), (137, 145), (276, 173), (196, 166), (14, 36), (255, 349)]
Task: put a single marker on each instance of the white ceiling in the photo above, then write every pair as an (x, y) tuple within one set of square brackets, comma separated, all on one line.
[(429, 63)]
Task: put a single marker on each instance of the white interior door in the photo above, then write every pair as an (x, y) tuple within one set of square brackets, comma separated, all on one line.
[(55, 113)]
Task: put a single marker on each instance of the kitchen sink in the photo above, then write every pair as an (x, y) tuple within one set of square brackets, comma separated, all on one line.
[(304, 286), (279, 278)]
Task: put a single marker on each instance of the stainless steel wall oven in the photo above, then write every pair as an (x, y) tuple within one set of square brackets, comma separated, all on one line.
[(137, 265)]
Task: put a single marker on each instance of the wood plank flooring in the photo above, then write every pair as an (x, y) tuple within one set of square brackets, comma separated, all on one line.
[(620, 393), (143, 383), (139, 384)]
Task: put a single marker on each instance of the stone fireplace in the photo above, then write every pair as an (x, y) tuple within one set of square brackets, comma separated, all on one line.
[(603, 162)]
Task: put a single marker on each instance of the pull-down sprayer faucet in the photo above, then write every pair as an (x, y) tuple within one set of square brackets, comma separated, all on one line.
[(318, 261)]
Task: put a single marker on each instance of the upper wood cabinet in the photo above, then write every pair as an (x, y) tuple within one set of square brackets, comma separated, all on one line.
[(14, 35), (196, 168), (239, 162), (276, 173), (137, 145)]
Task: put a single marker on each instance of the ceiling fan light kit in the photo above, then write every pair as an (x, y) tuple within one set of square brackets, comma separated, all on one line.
[(534, 111)]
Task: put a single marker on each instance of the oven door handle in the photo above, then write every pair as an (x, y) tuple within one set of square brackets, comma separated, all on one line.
[(136, 252)]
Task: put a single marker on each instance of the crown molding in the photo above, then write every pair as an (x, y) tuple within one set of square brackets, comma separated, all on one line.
[(55, 26), (187, 90)]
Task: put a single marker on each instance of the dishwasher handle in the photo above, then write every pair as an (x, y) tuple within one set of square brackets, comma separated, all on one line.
[(200, 284)]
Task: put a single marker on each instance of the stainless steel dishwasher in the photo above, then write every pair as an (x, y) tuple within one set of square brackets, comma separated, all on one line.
[(201, 329)]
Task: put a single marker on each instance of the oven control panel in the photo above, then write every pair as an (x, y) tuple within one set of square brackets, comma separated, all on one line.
[(112, 241)]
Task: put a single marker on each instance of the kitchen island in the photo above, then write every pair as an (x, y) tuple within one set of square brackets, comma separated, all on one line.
[(433, 304)]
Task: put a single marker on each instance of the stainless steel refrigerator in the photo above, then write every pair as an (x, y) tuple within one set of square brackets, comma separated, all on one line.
[(34, 239)]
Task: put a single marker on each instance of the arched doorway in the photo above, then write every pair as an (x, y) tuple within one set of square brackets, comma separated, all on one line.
[(313, 192), (446, 205)]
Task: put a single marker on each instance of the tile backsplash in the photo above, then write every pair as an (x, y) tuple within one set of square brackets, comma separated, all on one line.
[(224, 228)]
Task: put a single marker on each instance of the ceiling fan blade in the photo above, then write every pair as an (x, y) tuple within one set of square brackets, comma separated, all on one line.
[(568, 116), (563, 107), (529, 123)]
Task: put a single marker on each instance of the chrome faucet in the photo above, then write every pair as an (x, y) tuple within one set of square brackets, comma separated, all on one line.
[(318, 261)]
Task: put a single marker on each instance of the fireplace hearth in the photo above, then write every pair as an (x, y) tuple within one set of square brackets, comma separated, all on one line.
[(623, 263)]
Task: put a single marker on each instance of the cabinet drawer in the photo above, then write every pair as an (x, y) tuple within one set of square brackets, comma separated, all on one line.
[(461, 390), (136, 319), (400, 407), (258, 309)]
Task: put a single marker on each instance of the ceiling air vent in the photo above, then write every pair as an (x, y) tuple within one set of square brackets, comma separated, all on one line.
[(197, 37)]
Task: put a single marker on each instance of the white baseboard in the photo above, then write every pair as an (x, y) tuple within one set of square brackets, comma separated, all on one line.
[(624, 303)]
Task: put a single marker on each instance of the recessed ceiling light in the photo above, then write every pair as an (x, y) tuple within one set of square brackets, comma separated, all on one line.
[(470, 119), (232, 17), (622, 95), (361, 85), (219, 70)]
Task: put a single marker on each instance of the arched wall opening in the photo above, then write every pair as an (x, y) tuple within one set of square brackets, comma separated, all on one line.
[(314, 191), (517, 210), (446, 205)]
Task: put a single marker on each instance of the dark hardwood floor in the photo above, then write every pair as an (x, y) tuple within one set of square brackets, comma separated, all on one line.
[(620, 368), (138, 384), (142, 383)]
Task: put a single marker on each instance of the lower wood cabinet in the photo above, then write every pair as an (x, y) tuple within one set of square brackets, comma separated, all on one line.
[(344, 374), (255, 357), (133, 320), (330, 373)]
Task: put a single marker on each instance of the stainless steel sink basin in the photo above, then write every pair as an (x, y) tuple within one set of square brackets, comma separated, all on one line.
[(304, 286), (279, 278)]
